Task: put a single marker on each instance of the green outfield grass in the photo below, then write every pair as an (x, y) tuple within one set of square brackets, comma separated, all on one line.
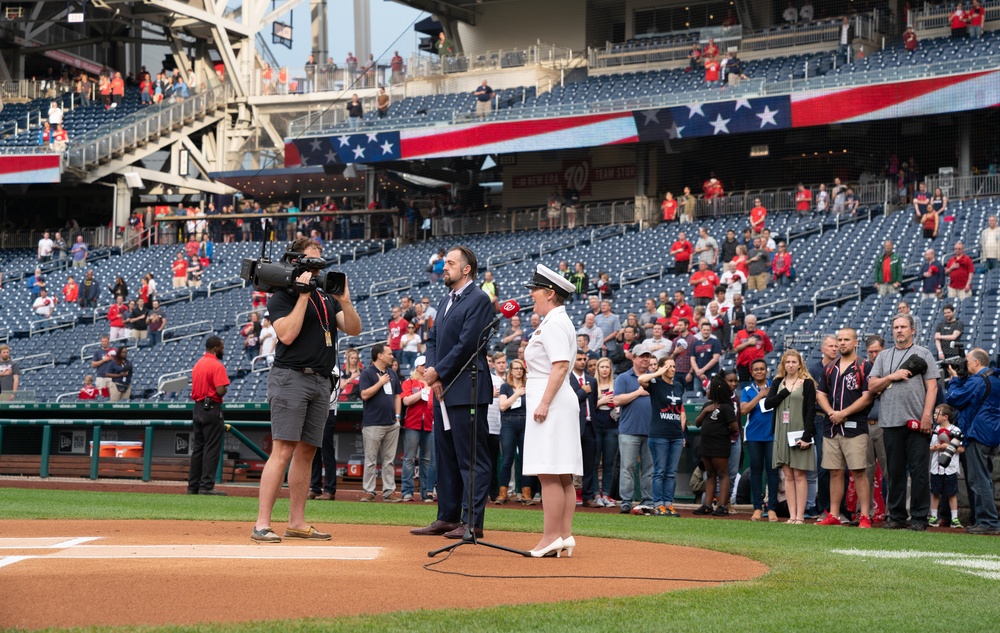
[(809, 587)]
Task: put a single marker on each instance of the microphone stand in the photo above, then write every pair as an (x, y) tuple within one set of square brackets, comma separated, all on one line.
[(469, 538)]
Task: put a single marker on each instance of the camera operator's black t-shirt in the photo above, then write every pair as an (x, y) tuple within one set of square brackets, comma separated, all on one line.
[(309, 347)]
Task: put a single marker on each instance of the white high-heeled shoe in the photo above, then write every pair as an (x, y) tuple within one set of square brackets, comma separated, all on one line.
[(552, 549), (568, 544)]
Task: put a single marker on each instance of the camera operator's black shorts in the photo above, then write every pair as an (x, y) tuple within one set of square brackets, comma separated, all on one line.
[(944, 485), (300, 404)]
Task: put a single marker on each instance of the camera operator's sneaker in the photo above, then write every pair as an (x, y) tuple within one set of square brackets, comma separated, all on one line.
[(955, 523), (932, 522)]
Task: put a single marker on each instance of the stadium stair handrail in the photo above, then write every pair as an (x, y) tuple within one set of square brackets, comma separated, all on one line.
[(57, 322), (205, 327), (100, 145), (26, 366), (855, 293)]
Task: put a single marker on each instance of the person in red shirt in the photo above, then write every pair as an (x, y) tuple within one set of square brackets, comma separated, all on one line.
[(712, 68), (803, 200), (704, 281), (682, 250), (104, 87), (750, 344), (757, 215), (910, 39), (959, 270), (976, 15), (71, 291), (959, 21), (682, 310), (180, 268), (711, 49), (117, 90), (397, 327), (329, 210), (88, 391), (669, 208), (116, 319), (712, 188), (209, 383), (418, 430), (781, 265)]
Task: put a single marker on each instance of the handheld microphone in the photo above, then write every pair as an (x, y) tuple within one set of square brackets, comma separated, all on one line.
[(508, 309)]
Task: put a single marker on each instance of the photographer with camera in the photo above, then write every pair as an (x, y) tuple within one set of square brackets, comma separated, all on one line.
[(977, 398), (306, 320)]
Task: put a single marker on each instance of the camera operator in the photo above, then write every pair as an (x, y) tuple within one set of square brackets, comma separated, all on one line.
[(306, 321), (977, 398)]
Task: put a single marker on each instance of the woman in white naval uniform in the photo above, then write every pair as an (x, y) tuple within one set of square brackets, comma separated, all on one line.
[(552, 448)]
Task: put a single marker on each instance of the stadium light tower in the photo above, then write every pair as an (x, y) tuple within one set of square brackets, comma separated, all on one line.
[(320, 32), (362, 30)]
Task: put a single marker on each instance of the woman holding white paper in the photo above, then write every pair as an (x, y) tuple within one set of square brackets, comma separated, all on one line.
[(793, 399)]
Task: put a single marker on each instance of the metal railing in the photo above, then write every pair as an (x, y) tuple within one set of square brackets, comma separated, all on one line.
[(108, 141), (51, 323), (678, 47), (937, 16), (389, 286), (205, 325), (854, 286), (596, 214), (787, 311), (29, 363), (355, 341), (243, 318), (30, 89), (504, 259), (649, 271), (544, 53), (973, 186), (218, 285)]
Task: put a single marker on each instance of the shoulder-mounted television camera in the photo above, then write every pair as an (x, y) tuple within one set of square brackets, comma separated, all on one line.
[(268, 276)]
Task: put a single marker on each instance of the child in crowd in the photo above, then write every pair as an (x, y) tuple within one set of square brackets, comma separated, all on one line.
[(89, 391), (944, 479)]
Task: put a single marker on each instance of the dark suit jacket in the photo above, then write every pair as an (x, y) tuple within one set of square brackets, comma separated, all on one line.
[(453, 339), (584, 396)]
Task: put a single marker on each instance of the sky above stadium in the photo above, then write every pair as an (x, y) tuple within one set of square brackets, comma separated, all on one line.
[(391, 25)]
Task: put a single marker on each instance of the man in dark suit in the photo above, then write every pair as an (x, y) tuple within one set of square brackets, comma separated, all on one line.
[(462, 316), (585, 387)]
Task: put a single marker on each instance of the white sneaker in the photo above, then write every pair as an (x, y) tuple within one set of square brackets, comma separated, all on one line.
[(609, 502), (599, 501)]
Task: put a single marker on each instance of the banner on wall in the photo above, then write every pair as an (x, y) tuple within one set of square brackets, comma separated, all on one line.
[(936, 95), (30, 169)]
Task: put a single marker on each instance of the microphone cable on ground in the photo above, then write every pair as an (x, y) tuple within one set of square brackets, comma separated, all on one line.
[(430, 567)]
